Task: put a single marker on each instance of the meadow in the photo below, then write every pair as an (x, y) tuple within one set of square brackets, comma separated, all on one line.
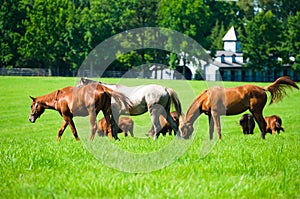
[(34, 165)]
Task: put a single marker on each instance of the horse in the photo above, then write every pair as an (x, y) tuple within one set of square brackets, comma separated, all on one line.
[(73, 101), (153, 98), (125, 125), (165, 126), (274, 123), (247, 123), (217, 101)]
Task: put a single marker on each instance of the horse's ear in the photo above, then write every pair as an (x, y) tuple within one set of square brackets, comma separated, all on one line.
[(33, 99)]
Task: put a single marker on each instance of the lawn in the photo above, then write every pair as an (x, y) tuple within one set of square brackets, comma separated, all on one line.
[(34, 165)]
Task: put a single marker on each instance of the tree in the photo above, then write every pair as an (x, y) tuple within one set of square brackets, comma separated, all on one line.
[(282, 9), (261, 44), (130, 14), (49, 35), (186, 16), (216, 36), (11, 30), (248, 7), (291, 42)]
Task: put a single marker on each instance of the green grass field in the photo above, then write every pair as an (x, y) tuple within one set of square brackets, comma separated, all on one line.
[(34, 165)]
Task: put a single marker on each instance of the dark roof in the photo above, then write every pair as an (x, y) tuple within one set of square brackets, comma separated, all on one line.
[(219, 53), (228, 64)]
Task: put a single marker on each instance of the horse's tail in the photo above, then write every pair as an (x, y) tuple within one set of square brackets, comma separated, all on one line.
[(177, 104), (119, 97), (278, 124), (277, 88)]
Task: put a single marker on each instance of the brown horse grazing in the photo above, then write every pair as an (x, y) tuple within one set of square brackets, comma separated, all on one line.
[(165, 126), (125, 125), (274, 123), (218, 101), (72, 101), (247, 123)]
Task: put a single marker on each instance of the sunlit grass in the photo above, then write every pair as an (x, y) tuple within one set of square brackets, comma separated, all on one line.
[(34, 165)]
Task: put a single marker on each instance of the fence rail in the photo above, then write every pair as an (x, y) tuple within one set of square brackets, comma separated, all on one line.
[(24, 72)]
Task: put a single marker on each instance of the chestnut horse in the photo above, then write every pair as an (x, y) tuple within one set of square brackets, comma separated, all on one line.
[(274, 123), (72, 101), (218, 101), (125, 125)]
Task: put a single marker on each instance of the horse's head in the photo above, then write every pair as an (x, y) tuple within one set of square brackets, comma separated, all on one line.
[(186, 130), (244, 120), (36, 110)]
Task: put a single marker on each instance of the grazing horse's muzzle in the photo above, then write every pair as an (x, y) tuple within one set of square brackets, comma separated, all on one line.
[(32, 119), (186, 131)]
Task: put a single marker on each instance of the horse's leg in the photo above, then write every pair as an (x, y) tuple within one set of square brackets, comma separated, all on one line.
[(261, 122), (170, 131), (73, 129), (173, 125), (67, 121), (131, 132), (115, 112), (93, 117), (125, 133), (62, 129), (211, 126), (216, 118), (155, 112), (108, 129)]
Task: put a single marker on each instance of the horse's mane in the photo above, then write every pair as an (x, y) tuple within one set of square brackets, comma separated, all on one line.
[(84, 81), (200, 97), (198, 100), (48, 97)]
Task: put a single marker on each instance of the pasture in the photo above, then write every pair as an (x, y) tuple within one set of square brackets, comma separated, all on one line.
[(34, 165)]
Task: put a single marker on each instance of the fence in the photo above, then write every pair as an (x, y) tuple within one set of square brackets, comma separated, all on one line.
[(24, 72)]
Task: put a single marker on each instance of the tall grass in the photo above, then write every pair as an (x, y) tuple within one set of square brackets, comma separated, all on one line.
[(34, 165)]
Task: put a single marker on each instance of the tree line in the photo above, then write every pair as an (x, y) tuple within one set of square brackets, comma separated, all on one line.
[(59, 34)]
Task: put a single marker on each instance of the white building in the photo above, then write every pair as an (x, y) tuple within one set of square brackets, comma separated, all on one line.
[(228, 64)]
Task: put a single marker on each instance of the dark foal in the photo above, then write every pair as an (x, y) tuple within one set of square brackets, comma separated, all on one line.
[(247, 123)]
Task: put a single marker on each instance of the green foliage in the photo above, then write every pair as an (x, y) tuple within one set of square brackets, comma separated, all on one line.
[(12, 12), (185, 16), (34, 165), (59, 34), (216, 37), (49, 34), (293, 41), (265, 30)]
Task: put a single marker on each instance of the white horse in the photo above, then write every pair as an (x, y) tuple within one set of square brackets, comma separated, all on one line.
[(153, 98)]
